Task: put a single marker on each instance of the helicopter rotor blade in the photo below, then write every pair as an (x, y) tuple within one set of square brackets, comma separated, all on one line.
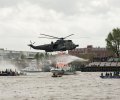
[(50, 36), (68, 36), (47, 37)]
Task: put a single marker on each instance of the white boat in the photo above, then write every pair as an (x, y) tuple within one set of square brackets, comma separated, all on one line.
[(57, 71), (69, 70)]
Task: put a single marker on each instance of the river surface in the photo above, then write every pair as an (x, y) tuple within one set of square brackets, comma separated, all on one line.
[(41, 86)]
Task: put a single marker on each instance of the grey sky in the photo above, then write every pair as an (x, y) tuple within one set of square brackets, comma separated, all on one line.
[(23, 20)]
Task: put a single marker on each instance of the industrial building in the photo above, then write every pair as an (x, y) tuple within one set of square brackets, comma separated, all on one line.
[(91, 52)]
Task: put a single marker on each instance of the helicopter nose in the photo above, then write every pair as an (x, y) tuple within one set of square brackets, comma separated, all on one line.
[(76, 45), (29, 44)]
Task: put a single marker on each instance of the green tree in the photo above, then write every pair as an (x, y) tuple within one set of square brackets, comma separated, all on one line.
[(37, 56), (23, 56), (41, 55), (113, 41), (46, 55)]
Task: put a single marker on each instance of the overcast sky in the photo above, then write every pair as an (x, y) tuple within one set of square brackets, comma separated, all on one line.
[(23, 20)]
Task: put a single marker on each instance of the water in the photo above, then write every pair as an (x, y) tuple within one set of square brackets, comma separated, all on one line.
[(67, 58), (60, 60), (41, 86)]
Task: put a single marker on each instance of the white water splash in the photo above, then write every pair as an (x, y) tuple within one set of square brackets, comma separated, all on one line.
[(68, 58), (7, 65)]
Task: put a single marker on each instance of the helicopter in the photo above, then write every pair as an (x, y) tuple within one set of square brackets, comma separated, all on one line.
[(60, 45)]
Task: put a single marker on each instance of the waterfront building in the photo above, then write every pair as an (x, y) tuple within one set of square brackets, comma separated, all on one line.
[(92, 53), (12, 54)]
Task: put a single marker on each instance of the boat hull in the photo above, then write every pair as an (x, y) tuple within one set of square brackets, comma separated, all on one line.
[(63, 72)]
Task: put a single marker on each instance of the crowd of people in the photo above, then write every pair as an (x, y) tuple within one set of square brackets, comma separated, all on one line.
[(9, 72), (112, 75)]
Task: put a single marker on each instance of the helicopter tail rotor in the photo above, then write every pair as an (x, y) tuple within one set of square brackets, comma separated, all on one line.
[(31, 44)]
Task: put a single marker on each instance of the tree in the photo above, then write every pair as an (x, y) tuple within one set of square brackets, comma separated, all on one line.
[(46, 55), (37, 56), (41, 55), (23, 56), (113, 41)]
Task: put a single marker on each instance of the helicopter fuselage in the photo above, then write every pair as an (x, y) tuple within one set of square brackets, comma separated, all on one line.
[(55, 46), (60, 45)]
